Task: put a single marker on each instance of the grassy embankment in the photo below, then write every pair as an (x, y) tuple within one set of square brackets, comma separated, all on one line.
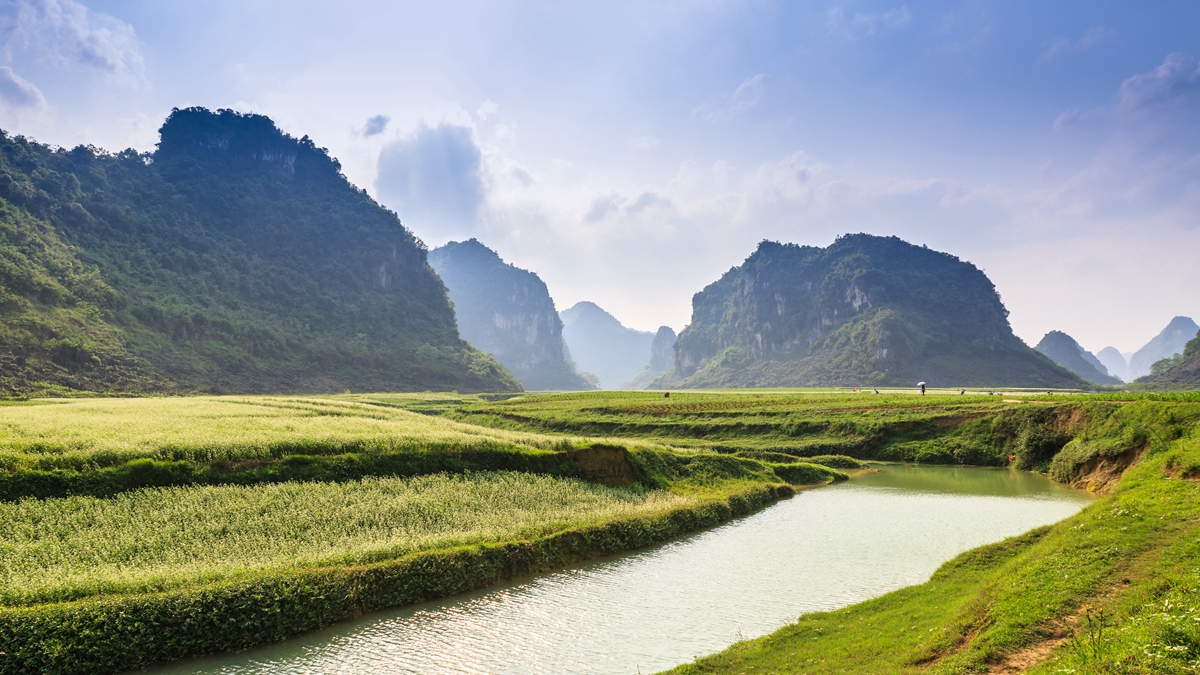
[(143, 530), (942, 429), (1114, 589)]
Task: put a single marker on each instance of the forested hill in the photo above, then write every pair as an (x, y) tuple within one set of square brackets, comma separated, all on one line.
[(866, 310), (235, 258)]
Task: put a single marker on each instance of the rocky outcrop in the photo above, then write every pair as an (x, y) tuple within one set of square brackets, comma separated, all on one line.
[(662, 358), (1066, 352), (865, 310), (600, 344), (507, 312)]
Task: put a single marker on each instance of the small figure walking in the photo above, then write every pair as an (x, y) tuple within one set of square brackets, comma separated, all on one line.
[(922, 386)]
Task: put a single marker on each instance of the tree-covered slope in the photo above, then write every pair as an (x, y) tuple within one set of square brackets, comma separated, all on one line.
[(507, 312), (865, 310), (1066, 352), (234, 258)]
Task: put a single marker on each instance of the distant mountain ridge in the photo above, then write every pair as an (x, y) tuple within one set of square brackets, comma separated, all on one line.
[(1179, 372), (1114, 362), (600, 344), (865, 310), (235, 258), (1169, 342), (1066, 352), (507, 312)]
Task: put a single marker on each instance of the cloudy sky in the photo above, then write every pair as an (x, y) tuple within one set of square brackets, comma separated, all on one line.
[(631, 152)]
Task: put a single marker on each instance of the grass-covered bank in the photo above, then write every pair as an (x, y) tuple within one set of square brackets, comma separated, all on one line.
[(1113, 589)]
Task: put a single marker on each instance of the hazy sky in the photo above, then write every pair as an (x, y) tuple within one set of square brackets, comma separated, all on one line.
[(630, 153)]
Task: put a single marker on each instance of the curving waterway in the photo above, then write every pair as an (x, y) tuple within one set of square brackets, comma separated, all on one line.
[(647, 611)]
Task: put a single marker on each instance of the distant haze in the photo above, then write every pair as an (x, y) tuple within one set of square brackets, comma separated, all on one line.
[(630, 153)]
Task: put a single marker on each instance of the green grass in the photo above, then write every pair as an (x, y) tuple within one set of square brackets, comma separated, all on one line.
[(103, 432), (945, 428), (156, 539)]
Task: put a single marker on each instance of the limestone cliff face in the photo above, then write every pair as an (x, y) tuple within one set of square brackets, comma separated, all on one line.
[(865, 310), (662, 359), (662, 349), (507, 312)]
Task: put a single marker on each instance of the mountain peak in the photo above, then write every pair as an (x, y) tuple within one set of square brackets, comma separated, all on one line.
[(246, 139), (865, 309)]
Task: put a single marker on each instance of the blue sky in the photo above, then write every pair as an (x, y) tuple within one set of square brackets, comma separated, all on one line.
[(630, 153)]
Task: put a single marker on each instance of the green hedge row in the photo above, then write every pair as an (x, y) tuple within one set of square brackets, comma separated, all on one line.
[(831, 461), (112, 634), (803, 473), (143, 473)]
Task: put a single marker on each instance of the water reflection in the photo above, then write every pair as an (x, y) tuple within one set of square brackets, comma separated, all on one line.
[(647, 611)]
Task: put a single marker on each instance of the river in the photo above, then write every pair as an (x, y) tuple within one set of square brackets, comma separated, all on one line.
[(653, 609)]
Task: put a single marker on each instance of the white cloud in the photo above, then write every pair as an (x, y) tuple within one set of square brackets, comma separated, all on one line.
[(866, 25), (433, 178), (486, 110), (375, 125), (65, 34), (1063, 46), (1145, 101), (17, 94), (744, 98), (1172, 83)]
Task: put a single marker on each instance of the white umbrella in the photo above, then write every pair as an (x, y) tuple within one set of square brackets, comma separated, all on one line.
[(920, 384)]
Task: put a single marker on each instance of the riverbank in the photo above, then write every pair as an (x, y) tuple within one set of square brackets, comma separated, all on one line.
[(744, 451), (251, 542), (1114, 589), (823, 549)]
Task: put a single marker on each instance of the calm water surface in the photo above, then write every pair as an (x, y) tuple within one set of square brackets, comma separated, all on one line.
[(825, 548)]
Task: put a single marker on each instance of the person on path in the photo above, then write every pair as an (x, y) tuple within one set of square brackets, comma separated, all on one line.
[(922, 388)]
